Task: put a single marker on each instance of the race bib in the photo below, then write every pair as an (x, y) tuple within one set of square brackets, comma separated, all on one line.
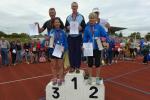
[(34, 49), (27, 50), (119, 49), (14, 51)]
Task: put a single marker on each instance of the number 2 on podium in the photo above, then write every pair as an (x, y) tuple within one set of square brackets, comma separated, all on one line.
[(95, 91), (57, 95)]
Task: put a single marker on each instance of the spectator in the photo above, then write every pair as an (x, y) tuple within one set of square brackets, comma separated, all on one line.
[(39, 47), (27, 48), (132, 48), (48, 48), (5, 46), (34, 52), (145, 52), (116, 50), (18, 52), (110, 51), (13, 50)]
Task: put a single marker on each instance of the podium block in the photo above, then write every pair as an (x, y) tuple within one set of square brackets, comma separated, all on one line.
[(74, 85), (75, 88), (73, 76), (55, 92), (94, 91)]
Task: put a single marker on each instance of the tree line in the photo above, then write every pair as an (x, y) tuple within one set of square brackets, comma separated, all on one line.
[(136, 35), (25, 37)]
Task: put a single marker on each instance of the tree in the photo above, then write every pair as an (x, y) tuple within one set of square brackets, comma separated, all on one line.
[(3, 34), (136, 34), (147, 36), (24, 35), (120, 34)]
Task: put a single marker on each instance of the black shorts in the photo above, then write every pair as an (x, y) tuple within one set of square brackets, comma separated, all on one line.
[(116, 53), (95, 59), (34, 52), (132, 50)]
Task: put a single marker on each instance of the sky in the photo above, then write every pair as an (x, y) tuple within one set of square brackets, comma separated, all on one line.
[(16, 15)]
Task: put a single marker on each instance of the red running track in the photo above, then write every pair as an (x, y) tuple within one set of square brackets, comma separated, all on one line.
[(126, 80)]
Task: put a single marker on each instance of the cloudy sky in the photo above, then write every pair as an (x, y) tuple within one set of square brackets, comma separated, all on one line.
[(16, 15)]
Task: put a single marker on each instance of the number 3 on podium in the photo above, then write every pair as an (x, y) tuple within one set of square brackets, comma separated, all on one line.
[(56, 93)]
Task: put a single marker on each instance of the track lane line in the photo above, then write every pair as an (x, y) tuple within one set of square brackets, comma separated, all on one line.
[(130, 87), (24, 79)]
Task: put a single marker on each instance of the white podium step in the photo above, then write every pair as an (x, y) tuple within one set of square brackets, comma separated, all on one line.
[(75, 88), (74, 85), (71, 77), (55, 92), (74, 81), (94, 91)]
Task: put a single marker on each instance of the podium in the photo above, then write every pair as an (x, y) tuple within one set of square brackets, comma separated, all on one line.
[(75, 87)]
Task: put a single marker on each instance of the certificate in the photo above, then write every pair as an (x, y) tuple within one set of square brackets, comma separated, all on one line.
[(14, 51), (33, 29), (58, 50), (51, 42), (88, 49), (99, 43), (74, 27)]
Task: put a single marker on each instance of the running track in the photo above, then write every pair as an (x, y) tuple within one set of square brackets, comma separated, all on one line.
[(128, 80)]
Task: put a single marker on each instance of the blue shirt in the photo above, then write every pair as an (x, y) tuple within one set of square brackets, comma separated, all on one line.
[(142, 43), (111, 44), (93, 31), (106, 35), (59, 37)]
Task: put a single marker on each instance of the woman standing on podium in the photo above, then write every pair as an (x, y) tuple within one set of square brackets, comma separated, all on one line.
[(92, 33), (60, 40), (75, 38)]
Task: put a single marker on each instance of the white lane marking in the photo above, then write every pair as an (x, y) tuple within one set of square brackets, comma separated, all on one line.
[(24, 79), (130, 87), (131, 72)]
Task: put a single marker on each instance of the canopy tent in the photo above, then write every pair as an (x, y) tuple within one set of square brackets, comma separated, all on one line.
[(113, 29)]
